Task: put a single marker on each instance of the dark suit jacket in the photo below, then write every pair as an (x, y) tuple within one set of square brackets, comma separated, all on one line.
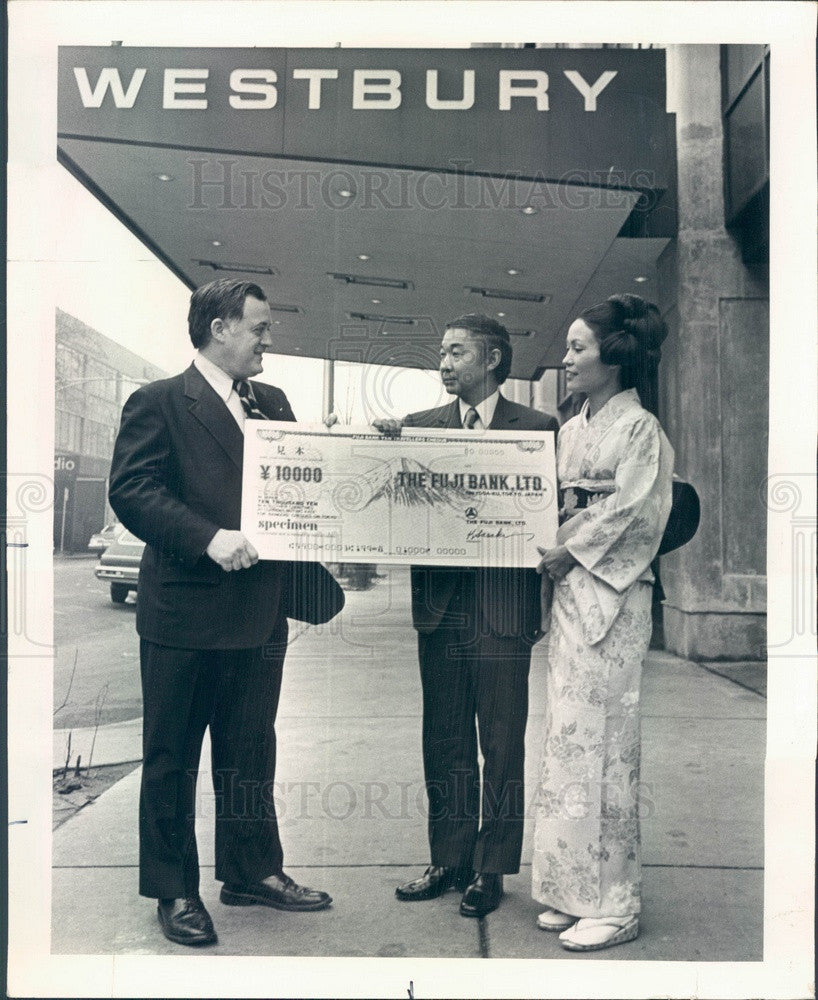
[(175, 480), (508, 600)]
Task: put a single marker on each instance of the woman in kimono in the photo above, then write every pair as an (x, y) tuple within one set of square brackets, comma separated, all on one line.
[(614, 466)]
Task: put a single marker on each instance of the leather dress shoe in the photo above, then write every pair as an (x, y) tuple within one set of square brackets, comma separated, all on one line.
[(186, 921), (482, 896), (433, 883), (278, 891)]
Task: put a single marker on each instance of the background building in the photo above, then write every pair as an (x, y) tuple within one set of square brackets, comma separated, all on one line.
[(712, 286), (93, 378), (714, 292)]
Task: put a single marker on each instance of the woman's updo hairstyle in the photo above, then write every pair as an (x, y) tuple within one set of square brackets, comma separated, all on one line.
[(630, 332)]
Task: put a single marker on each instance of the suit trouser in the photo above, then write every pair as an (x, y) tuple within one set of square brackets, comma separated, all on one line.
[(235, 693), (474, 681)]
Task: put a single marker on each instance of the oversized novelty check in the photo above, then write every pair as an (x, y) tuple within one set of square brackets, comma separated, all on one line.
[(430, 496)]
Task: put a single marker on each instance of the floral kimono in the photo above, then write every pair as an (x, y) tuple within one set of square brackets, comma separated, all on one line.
[(615, 471)]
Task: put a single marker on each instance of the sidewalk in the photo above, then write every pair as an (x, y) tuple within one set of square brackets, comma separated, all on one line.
[(349, 793)]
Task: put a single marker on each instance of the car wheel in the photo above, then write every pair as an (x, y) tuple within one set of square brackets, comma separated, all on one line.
[(119, 591)]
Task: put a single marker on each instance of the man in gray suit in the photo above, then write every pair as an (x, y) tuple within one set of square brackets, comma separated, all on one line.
[(475, 629)]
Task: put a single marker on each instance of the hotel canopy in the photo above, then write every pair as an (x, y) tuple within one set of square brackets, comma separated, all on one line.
[(377, 193)]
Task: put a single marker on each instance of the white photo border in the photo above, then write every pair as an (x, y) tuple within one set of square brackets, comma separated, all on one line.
[(37, 28)]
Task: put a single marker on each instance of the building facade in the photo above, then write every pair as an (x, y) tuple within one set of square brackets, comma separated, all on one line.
[(712, 286), (714, 293), (93, 378)]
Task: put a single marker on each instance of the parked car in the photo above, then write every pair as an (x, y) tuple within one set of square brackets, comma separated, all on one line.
[(100, 540), (119, 564)]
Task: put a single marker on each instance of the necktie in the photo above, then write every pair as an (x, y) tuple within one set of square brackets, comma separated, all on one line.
[(248, 400), (470, 419)]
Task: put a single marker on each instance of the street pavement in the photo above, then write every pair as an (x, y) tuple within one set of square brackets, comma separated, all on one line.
[(96, 668), (349, 795)]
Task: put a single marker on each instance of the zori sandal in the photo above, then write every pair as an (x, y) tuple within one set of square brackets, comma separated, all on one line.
[(594, 933), (555, 920)]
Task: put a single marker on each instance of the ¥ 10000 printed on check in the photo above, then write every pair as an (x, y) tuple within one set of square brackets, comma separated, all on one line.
[(430, 496)]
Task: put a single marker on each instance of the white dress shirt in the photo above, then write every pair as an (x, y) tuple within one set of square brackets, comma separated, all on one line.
[(485, 410), (222, 384)]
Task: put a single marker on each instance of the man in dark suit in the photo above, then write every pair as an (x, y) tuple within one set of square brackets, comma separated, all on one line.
[(210, 616), (475, 629)]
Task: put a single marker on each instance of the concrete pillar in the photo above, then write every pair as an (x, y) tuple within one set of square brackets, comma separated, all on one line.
[(714, 387), (328, 396)]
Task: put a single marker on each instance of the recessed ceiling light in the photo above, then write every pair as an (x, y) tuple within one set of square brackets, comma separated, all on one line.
[(164, 177), (216, 243), (528, 210), (376, 302), (640, 278), (277, 322), (363, 256), (501, 314), (512, 270)]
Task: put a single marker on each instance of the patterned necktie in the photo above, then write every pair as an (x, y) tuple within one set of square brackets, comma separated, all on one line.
[(470, 419), (248, 400)]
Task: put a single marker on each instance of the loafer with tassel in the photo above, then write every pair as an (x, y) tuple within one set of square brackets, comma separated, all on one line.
[(278, 891)]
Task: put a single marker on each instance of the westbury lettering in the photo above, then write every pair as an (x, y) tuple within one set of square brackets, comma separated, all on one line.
[(372, 89)]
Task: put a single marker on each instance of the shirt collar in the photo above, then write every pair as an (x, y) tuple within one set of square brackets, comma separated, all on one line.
[(485, 409), (218, 378)]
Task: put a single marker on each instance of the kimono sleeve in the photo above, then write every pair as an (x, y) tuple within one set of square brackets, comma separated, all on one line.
[(616, 538)]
